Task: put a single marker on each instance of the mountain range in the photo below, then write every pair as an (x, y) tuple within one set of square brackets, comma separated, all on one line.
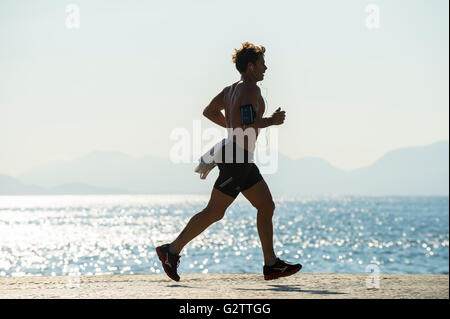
[(410, 171)]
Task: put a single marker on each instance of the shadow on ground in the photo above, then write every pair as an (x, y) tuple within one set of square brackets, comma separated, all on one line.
[(284, 288), (179, 286)]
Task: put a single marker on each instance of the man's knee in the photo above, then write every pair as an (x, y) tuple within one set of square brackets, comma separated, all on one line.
[(266, 208)]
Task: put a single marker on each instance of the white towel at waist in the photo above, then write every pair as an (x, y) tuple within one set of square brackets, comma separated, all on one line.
[(207, 161)]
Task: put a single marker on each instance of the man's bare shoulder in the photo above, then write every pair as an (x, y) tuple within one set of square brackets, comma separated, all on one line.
[(232, 86), (232, 89), (251, 90), (240, 90), (245, 88), (226, 89), (250, 87)]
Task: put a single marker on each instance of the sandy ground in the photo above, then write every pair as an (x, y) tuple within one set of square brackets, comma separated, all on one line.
[(224, 286)]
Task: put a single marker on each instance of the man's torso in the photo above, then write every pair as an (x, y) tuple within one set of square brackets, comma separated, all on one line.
[(234, 98)]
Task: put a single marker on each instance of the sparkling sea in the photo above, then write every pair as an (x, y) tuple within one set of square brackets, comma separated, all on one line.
[(117, 234)]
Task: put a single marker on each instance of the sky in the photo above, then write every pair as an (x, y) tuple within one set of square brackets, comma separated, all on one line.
[(133, 71)]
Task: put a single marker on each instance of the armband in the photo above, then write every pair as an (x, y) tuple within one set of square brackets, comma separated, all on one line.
[(247, 114)]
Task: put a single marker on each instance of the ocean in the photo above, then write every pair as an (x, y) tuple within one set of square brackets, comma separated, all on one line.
[(117, 234)]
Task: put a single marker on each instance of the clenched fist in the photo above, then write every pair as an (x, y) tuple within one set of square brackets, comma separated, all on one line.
[(278, 116)]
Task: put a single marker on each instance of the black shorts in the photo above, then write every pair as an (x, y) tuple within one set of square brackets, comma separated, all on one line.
[(236, 173), (236, 177)]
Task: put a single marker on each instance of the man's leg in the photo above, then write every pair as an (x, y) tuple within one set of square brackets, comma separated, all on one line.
[(214, 211), (260, 197)]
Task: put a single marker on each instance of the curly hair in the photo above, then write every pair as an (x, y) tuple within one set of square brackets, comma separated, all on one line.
[(248, 52)]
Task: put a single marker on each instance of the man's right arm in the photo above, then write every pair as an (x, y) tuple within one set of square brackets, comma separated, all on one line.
[(214, 110)]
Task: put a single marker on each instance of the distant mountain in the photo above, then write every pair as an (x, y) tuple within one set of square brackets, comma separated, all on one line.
[(12, 186), (80, 188), (414, 170), (420, 170), (118, 170)]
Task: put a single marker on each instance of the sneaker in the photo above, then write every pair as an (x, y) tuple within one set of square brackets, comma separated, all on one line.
[(169, 261), (280, 269)]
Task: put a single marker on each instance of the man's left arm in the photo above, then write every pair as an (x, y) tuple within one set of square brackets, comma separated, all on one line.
[(259, 121), (214, 110)]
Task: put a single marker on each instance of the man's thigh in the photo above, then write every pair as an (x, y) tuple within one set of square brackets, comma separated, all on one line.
[(259, 195), (219, 201), (231, 178)]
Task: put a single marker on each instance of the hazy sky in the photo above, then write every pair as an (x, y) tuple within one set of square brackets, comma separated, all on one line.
[(135, 70)]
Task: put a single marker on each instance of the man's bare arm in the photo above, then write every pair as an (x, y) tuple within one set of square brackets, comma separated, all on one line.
[(262, 122), (253, 96), (214, 109), (218, 118)]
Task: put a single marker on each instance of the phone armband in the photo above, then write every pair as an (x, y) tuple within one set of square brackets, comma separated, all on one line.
[(247, 114)]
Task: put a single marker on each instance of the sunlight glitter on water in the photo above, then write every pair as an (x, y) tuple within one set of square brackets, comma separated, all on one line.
[(117, 234)]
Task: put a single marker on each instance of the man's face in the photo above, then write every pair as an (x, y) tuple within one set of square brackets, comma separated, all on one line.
[(259, 68)]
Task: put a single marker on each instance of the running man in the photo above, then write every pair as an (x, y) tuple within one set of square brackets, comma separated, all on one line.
[(237, 174)]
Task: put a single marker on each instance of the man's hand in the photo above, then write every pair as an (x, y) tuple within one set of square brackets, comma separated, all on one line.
[(278, 116)]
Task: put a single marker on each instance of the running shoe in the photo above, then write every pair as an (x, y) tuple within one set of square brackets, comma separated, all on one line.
[(169, 261), (280, 269)]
